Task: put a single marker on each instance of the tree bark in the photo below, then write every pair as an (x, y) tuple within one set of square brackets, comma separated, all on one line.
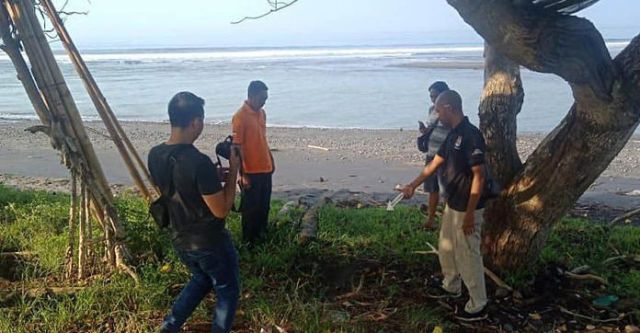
[(604, 116), (500, 103)]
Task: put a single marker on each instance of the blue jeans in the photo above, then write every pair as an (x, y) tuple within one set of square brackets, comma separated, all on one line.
[(215, 268)]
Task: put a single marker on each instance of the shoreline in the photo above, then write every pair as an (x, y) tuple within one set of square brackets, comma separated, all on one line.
[(364, 161)]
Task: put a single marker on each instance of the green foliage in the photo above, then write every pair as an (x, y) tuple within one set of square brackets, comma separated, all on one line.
[(368, 252)]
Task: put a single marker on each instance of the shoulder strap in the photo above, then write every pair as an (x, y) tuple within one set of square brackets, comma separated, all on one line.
[(172, 160)]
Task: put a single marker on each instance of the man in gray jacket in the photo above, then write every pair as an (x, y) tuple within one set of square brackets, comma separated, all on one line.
[(432, 185)]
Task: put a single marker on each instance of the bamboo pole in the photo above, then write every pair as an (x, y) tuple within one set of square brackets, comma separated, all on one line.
[(12, 49), (35, 46), (54, 85), (76, 148), (88, 239), (82, 232), (104, 110), (73, 213)]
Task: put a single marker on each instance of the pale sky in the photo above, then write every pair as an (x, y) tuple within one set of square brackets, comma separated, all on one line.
[(206, 23)]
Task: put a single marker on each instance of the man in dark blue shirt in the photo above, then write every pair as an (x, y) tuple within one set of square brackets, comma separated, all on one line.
[(461, 157), (198, 206)]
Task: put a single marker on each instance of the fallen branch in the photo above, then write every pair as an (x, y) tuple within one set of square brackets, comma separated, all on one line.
[(495, 278), (577, 315), (581, 269), (39, 128), (16, 256), (575, 276), (624, 217), (309, 222), (634, 257), (39, 292)]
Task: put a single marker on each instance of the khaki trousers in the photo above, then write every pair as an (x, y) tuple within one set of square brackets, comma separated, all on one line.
[(460, 257)]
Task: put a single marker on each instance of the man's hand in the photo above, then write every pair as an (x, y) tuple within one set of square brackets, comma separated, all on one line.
[(469, 225), (245, 182), (408, 191)]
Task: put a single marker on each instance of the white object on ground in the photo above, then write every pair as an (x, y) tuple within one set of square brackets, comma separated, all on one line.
[(318, 147), (391, 204)]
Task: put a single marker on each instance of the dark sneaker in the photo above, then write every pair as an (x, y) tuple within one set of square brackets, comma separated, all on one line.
[(440, 293), (463, 315)]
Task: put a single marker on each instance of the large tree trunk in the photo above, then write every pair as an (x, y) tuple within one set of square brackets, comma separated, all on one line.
[(500, 103), (572, 156)]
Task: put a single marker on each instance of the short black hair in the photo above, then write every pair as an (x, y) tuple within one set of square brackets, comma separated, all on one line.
[(184, 107), (255, 87), (439, 86), (452, 98)]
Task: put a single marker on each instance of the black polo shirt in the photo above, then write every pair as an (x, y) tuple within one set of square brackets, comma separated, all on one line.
[(192, 225), (463, 148)]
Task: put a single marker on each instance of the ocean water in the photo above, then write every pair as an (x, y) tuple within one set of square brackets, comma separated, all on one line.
[(337, 87)]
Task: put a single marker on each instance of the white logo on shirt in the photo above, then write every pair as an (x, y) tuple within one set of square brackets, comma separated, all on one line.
[(458, 143)]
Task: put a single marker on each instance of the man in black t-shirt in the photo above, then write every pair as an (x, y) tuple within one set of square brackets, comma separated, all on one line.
[(197, 210), (461, 157)]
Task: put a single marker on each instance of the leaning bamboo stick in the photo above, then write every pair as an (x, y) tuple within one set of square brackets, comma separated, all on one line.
[(99, 101), (42, 62), (58, 89), (55, 85), (12, 49), (77, 149)]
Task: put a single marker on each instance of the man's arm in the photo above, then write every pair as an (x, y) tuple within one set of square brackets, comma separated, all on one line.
[(237, 129), (244, 179), (477, 184), (428, 170), (220, 203)]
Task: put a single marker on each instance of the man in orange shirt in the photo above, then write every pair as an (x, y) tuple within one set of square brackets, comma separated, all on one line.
[(249, 127)]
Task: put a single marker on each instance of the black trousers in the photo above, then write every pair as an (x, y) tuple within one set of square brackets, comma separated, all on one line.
[(255, 205)]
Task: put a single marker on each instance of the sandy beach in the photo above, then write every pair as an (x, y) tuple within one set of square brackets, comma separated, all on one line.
[(355, 160)]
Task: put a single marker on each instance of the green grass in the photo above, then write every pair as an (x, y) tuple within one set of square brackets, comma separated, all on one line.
[(298, 288)]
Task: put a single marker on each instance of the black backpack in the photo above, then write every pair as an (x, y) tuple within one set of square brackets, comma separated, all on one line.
[(159, 208)]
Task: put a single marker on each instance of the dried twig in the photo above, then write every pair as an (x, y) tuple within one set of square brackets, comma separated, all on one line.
[(275, 6), (493, 276), (624, 217), (634, 257), (575, 276), (577, 315)]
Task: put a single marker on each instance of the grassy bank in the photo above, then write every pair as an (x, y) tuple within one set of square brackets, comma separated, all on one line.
[(362, 274)]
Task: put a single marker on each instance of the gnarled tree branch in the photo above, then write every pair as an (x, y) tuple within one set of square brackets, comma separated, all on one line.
[(275, 6), (568, 46)]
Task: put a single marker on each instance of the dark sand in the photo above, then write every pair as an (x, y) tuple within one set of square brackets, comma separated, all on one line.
[(357, 161)]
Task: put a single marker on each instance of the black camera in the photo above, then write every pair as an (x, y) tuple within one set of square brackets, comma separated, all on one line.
[(224, 148)]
